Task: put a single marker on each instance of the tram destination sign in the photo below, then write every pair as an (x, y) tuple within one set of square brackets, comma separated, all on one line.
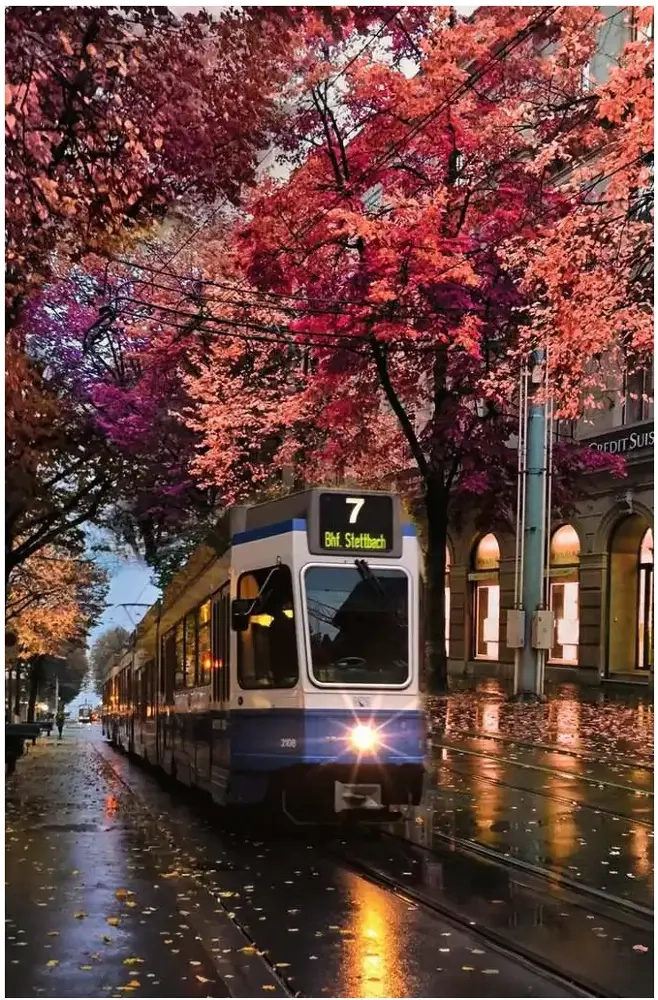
[(355, 523)]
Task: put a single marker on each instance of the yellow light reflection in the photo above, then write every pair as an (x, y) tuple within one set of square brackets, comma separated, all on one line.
[(642, 849), (489, 721), (373, 955), (560, 827)]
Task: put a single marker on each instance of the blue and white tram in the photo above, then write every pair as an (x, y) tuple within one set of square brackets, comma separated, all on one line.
[(282, 663)]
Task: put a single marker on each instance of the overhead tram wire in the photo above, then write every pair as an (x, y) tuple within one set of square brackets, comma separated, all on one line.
[(500, 54), (345, 341), (214, 212), (260, 298), (196, 322)]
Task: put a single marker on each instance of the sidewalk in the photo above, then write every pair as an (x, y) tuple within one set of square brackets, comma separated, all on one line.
[(90, 909), (591, 721)]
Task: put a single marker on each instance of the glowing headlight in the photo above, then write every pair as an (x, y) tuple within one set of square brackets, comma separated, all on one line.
[(364, 738)]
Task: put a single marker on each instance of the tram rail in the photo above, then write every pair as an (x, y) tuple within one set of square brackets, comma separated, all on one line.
[(579, 986), (548, 795), (623, 762), (555, 772)]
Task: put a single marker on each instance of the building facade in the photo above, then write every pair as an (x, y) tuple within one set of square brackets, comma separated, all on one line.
[(600, 578), (601, 567)]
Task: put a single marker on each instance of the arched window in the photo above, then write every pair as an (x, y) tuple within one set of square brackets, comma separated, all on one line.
[(486, 598), (564, 596), (630, 595), (645, 604)]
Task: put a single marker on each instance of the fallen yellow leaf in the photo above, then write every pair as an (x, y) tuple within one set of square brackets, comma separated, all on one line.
[(80, 915), (202, 979), (130, 902), (52, 963), (53, 933), (85, 968), (133, 961), (113, 921), (248, 950), (121, 893), (134, 983)]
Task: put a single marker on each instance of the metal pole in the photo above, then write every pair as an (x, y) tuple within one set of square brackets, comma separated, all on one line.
[(56, 694), (530, 672)]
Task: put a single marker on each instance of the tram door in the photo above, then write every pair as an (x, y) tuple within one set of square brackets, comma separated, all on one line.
[(221, 690)]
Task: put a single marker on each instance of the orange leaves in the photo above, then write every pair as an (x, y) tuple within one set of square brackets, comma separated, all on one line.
[(46, 599)]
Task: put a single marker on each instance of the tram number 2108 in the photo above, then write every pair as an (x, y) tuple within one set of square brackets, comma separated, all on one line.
[(288, 742)]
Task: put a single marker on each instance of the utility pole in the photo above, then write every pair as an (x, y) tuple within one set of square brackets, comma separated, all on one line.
[(530, 625), (56, 694)]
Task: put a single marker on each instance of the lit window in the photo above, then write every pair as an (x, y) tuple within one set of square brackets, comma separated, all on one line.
[(486, 598), (564, 595)]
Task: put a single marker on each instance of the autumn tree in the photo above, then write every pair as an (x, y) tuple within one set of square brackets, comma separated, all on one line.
[(411, 258), (52, 602), (113, 117), (105, 648)]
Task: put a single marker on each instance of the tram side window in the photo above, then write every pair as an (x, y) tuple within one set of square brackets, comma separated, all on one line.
[(267, 650), (179, 681), (204, 658), (169, 666), (220, 649), (190, 649)]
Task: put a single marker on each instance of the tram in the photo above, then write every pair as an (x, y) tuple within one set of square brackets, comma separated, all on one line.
[(281, 664)]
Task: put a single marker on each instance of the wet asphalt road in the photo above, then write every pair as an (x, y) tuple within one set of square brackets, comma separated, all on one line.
[(84, 824), (580, 803)]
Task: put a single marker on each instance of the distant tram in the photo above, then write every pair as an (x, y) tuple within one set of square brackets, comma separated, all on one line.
[(281, 664), (84, 714)]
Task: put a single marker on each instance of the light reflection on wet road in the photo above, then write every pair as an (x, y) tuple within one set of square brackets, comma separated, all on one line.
[(592, 820), (326, 930)]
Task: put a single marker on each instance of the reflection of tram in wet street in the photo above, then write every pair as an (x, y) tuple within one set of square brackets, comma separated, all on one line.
[(281, 663)]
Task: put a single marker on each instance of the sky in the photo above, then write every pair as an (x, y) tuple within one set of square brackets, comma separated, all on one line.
[(129, 584)]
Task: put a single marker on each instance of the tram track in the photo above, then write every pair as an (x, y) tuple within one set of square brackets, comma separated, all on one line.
[(278, 985), (623, 762), (537, 958), (554, 772), (544, 794), (496, 942), (588, 893)]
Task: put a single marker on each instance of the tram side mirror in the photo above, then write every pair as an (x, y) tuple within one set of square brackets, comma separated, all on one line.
[(241, 608)]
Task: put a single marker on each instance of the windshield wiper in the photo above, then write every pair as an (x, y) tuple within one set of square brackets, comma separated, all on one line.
[(367, 575)]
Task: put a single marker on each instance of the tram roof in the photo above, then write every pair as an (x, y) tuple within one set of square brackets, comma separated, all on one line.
[(235, 521)]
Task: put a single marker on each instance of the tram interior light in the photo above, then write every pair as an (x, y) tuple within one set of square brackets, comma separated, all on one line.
[(264, 620)]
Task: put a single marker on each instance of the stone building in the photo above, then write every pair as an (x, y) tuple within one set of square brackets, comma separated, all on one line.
[(601, 579)]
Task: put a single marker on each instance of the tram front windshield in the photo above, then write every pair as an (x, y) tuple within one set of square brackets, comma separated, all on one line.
[(359, 625)]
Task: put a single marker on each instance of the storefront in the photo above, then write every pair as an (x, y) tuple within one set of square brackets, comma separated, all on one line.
[(485, 582), (564, 578), (631, 596), (600, 578)]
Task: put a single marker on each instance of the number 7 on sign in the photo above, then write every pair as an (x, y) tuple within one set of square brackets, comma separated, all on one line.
[(357, 504)]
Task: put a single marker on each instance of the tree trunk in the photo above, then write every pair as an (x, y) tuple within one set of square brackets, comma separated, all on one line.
[(436, 511), (17, 692), (36, 676), (9, 689)]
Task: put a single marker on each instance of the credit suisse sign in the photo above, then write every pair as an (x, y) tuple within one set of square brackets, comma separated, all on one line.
[(632, 442)]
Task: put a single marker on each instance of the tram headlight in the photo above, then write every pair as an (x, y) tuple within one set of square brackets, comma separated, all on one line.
[(364, 738)]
